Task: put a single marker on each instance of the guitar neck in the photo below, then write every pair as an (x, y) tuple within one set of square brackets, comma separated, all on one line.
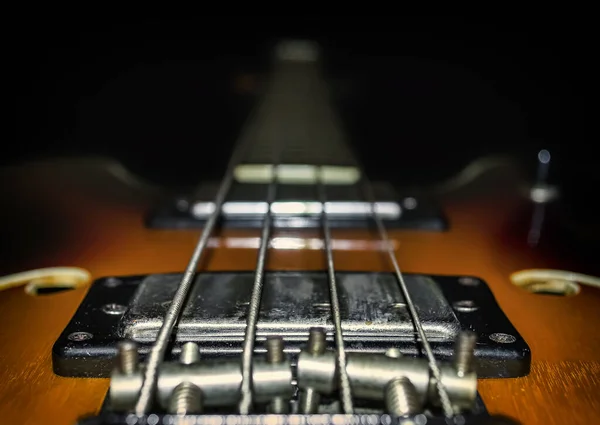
[(295, 122)]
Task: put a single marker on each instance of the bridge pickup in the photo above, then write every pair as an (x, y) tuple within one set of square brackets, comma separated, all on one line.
[(374, 318), (298, 206)]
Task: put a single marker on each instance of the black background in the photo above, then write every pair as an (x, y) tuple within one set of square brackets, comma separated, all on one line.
[(421, 96)]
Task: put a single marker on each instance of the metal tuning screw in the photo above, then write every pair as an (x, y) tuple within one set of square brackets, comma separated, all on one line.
[(125, 376), (464, 353), (186, 399), (276, 355), (128, 360), (190, 353), (310, 398), (317, 341), (401, 397)]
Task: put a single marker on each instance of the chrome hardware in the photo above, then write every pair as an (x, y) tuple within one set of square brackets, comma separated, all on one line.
[(398, 385)]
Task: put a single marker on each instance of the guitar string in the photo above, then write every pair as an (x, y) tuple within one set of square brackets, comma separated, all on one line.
[(164, 335), (157, 352), (334, 300), (345, 389), (433, 366), (255, 301), (383, 235), (279, 91), (246, 399)]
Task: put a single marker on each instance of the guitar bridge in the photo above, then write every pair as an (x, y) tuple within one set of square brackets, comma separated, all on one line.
[(378, 335), (373, 310)]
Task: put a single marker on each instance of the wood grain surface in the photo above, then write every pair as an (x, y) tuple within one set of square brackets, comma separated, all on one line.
[(69, 216)]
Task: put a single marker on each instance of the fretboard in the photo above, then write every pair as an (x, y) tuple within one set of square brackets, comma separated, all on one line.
[(295, 121)]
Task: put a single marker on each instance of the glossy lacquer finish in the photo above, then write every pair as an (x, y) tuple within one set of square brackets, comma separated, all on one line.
[(80, 215)]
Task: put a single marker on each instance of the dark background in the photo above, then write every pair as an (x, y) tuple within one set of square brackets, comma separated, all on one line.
[(421, 96)]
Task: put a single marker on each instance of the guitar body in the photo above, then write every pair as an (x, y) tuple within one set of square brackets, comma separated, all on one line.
[(410, 353), (77, 213)]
